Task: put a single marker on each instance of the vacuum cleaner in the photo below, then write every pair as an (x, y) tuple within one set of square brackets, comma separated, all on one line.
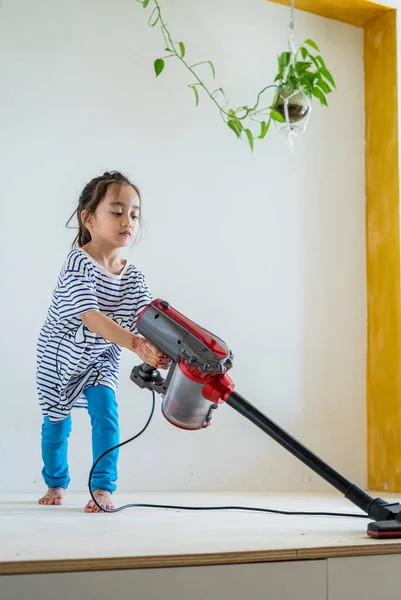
[(197, 383)]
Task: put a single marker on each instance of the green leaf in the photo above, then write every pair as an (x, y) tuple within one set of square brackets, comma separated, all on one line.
[(327, 75), (236, 126), (321, 61), (284, 59), (314, 60), (277, 117), (196, 94), (159, 66), (168, 50), (250, 137), (213, 69), (233, 127), (304, 53), (312, 44), (310, 77), (319, 95), (239, 124), (308, 88), (264, 128), (209, 62), (323, 85), (145, 3), (301, 67), (152, 24), (231, 112), (182, 49)]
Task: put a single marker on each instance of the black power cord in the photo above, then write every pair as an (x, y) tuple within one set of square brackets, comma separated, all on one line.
[(247, 508)]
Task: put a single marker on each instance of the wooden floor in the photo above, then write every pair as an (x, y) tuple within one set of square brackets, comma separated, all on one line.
[(40, 539)]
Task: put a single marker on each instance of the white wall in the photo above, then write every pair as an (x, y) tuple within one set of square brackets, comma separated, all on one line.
[(265, 250)]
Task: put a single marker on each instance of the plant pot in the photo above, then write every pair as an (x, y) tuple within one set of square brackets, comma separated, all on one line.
[(297, 105)]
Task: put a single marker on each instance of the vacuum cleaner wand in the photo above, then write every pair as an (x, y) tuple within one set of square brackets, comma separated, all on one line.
[(198, 382)]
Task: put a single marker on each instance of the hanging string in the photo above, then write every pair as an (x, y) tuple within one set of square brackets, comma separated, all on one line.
[(291, 35), (292, 13), (292, 47), (290, 128), (293, 50)]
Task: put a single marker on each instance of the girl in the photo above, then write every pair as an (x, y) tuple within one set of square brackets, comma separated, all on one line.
[(92, 316)]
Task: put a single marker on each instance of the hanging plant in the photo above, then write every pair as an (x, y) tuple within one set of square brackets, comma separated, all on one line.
[(302, 75), (299, 78), (306, 77)]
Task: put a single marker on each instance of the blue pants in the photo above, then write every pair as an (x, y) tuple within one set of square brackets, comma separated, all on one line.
[(102, 409)]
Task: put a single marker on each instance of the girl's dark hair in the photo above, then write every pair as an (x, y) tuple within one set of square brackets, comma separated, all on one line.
[(90, 198)]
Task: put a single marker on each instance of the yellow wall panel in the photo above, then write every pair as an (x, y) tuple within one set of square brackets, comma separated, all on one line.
[(383, 255), (356, 12)]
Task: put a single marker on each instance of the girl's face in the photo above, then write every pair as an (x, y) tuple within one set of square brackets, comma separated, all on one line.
[(115, 221)]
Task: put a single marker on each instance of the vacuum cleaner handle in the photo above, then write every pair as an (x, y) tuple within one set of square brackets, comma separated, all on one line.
[(146, 371)]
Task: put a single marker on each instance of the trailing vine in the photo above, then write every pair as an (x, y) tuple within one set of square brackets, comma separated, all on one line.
[(303, 70)]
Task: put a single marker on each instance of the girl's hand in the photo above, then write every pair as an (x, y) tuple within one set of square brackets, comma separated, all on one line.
[(149, 353)]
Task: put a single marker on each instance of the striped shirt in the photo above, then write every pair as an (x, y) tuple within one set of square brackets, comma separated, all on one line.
[(70, 357)]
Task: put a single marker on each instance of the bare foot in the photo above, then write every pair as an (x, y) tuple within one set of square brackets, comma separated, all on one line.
[(53, 496), (104, 499)]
